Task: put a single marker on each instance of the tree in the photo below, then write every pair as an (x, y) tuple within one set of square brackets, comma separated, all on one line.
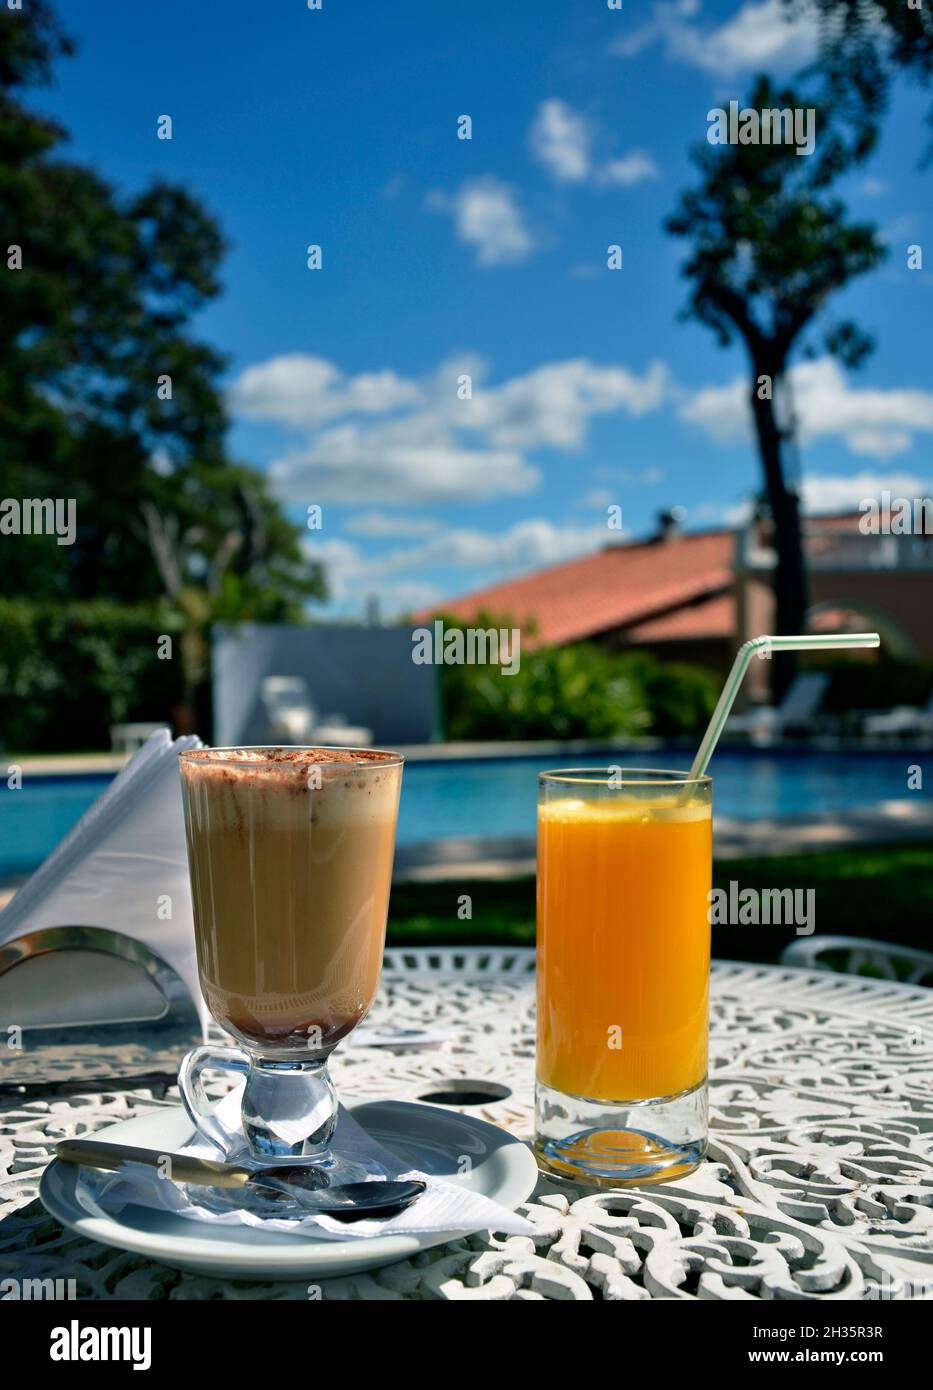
[(863, 43), (105, 394), (770, 244)]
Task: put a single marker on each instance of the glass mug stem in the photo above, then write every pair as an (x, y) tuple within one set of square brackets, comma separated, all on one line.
[(288, 1110)]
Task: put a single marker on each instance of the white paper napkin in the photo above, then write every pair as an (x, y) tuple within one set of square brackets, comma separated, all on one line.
[(444, 1206), (123, 867)]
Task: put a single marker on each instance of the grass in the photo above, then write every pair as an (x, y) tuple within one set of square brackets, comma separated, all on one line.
[(883, 891)]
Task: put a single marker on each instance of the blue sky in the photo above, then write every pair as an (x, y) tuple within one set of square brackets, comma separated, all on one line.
[(487, 257)]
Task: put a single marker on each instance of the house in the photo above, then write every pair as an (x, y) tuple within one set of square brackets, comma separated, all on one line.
[(696, 596)]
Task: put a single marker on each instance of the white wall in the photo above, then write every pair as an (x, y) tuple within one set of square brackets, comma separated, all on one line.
[(364, 673)]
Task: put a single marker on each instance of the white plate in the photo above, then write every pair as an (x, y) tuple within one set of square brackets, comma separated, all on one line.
[(427, 1137)]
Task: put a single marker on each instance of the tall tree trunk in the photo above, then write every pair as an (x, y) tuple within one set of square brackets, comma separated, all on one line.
[(790, 581)]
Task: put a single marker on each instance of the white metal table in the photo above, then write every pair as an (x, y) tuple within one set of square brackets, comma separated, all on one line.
[(819, 1182)]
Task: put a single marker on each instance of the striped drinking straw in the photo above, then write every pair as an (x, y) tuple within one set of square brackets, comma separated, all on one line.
[(764, 646)]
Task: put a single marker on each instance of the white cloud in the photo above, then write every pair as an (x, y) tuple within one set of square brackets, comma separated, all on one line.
[(552, 405), (562, 139), (353, 577), (353, 574), (487, 217), (345, 565), (630, 45), (722, 411), (428, 445), (736, 514), (527, 545), (400, 596), (879, 443), (391, 524), (826, 493), (760, 35), (300, 390), (630, 169), (347, 463), (600, 497), (872, 420)]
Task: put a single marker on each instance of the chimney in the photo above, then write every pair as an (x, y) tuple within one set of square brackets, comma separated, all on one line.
[(669, 523)]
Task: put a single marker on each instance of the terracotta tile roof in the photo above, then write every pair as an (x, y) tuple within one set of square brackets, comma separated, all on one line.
[(712, 617), (619, 587), (834, 521)]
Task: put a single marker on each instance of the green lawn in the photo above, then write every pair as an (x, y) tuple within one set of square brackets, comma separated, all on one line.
[(883, 891)]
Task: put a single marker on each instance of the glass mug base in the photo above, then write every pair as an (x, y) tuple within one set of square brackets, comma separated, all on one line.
[(620, 1143), (288, 1117)]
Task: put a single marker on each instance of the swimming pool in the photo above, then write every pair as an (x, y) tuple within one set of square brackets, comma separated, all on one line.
[(496, 796)]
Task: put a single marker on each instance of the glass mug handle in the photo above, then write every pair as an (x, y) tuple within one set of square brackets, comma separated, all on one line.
[(192, 1091)]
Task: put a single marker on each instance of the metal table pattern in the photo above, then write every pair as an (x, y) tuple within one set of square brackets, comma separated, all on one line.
[(818, 1185)]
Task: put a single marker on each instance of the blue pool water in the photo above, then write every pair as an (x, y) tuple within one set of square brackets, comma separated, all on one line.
[(497, 796)]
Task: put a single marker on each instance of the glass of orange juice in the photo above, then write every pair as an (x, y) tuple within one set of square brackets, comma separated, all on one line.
[(624, 877)]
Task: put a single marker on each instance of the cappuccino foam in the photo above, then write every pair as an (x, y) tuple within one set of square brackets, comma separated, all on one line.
[(291, 861)]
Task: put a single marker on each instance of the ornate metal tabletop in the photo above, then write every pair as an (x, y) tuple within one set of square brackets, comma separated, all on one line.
[(818, 1185)]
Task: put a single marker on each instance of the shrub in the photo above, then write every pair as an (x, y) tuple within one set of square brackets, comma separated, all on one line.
[(680, 698), (579, 691), (876, 684), (69, 671)]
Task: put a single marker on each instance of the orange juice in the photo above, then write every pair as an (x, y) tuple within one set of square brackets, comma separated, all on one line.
[(623, 942)]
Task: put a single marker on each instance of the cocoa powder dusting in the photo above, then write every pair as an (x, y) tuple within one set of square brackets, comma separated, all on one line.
[(298, 757)]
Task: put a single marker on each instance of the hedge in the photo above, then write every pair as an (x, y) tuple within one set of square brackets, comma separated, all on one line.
[(70, 671)]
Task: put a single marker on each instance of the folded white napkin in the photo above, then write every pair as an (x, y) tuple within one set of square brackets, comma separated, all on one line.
[(123, 867), (444, 1206)]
